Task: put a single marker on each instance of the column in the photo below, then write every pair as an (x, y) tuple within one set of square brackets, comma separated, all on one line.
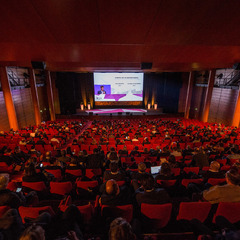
[(34, 93), (208, 96), (236, 115), (189, 95), (50, 96), (12, 117)]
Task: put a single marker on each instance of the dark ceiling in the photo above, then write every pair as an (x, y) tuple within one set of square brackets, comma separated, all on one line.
[(90, 35)]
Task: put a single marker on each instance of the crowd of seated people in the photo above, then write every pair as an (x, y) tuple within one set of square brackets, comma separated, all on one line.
[(109, 164)]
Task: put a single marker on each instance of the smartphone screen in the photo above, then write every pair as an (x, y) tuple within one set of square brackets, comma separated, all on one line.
[(19, 190)]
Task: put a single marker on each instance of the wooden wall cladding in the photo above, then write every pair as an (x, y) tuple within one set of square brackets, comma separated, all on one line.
[(4, 124), (24, 107), (222, 105)]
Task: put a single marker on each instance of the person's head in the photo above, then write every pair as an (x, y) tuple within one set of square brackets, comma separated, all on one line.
[(142, 167), (165, 169), (102, 88), (17, 149), (63, 153), (4, 179), (112, 149), (34, 232), (113, 167), (113, 156), (172, 159), (30, 170), (148, 182), (112, 187), (136, 148), (48, 154), (120, 229), (214, 166), (233, 177)]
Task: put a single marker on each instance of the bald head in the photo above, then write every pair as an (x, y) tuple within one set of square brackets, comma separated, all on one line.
[(112, 187), (215, 166), (4, 179)]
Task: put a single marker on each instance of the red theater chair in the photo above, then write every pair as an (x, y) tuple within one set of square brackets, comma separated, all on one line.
[(3, 210), (125, 211), (87, 212), (229, 210), (90, 173), (159, 214), (191, 169), (57, 173), (34, 212), (75, 172), (36, 186), (167, 183), (216, 181), (176, 171), (60, 188), (185, 182), (5, 168), (191, 210), (86, 184)]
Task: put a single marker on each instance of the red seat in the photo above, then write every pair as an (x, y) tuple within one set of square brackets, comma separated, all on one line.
[(3, 210), (139, 159), (87, 212), (74, 172), (191, 210), (159, 214), (185, 182), (125, 211), (36, 186), (216, 181), (222, 161), (57, 173), (166, 183), (86, 184), (225, 168), (90, 173), (5, 168), (205, 168), (33, 212), (176, 171), (191, 169), (229, 210), (120, 183), (60, 188)]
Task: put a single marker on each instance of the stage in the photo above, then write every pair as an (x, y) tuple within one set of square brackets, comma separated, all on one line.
[(119, 111)]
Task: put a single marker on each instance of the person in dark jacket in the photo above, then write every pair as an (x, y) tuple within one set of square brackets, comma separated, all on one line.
[(148, 194)]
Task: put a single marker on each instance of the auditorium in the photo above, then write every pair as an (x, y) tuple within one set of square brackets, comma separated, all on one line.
[(119, 120)]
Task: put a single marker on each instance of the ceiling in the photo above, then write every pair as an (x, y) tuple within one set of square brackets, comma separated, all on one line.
[(95, 35)]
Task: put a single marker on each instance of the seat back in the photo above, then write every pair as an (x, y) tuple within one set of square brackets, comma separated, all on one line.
[(87, 212), (33, 212), (176, 171), (57, 173), (36, 186), (3, 210), (166, 183), (160, 214), (90, 173), (191, 169), (216, 181), (229, 210), (185, 182), (75, 172), (60, 188), (86, 184), (125, 211), (191, 210)]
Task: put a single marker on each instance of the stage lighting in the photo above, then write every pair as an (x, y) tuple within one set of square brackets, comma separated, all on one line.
[(155, 106), (149, 106), (89, 106), (82, 106)]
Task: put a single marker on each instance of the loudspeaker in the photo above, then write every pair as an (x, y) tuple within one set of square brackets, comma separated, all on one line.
[(146, 65), (38, 65), (236, 66)]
